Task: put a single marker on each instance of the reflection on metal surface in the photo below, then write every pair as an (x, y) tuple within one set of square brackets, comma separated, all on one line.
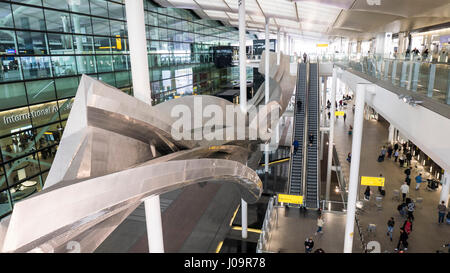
[(117, 151)]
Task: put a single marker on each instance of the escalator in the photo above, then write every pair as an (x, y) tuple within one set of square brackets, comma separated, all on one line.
[(304, 166)]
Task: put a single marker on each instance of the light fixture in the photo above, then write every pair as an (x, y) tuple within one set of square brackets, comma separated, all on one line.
[(409, 100)]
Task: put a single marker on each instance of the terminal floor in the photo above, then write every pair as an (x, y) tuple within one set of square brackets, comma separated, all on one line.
[(427, 235)]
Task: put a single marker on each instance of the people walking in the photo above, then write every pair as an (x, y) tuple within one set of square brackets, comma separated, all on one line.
[(311, 139), (367, 193), (390, 227), (389, 151), (410, 207), (442, 209), (404, 189), (403, 240), (418, 181), (396, 155), (309, 244), (320, 223)]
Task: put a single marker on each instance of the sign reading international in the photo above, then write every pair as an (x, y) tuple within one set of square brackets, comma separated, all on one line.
[(292, 199), (372, 181)]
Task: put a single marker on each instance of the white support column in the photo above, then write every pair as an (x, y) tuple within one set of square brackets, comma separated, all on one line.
[(154, 224), (354, 167), (244, 218), (445, 187), (141, 90), (391, 134), (278, 46), (331, 133), (266, 84), (138, 50), (323, 117), (242, 59), (285, 44)]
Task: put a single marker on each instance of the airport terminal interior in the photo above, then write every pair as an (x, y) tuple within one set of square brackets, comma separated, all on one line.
[(225, 126)]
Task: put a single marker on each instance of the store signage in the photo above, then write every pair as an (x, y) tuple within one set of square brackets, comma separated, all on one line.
[(292, 199), (322, 45), (21, 114), (372, 181), (339, 113)]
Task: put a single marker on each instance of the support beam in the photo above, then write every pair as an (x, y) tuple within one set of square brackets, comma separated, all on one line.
[(354, 168), (242, 59), (138, 50), (331, 134), (141, 90), (266, 84), (244, 218), (391, 134), (445, 187), (154, 224)]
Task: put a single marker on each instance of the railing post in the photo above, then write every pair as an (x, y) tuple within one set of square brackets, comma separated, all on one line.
[(416, 76), (394, 71), (410, 75), (386, 70), (431, 80), (403, 76)]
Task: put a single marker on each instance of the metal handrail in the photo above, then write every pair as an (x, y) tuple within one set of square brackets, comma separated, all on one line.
[(305, 133), (361, 235), (318, 136), (288, 190)]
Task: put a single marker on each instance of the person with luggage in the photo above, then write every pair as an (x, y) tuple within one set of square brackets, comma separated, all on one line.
[(390, 227), (309, 244), (320, 223), (389, 151), (402, 209), (418, 181), (404, 189)]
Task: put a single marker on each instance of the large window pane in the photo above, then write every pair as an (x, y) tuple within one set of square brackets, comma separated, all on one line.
[(43, 114), (104, 63), (12, 95), (99, 8), (107, 78), (28, 18), (83, 44), (57, 4), (117, 28), (5, 13), (81, 6), (81, 24), (116, 11), (121, 62), (66, 87), (57, 21), (86, 64), (10, 69), (31, 43), (36, 67), (123, 79), (64, 66), (5, 205), (30, 2), (60, 44), (101, 26), (102, 45), (39, 91)]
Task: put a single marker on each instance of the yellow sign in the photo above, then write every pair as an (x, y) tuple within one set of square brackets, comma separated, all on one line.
[(372, 181), (339, 113), (322, 45), (118, 42), (292, 199)]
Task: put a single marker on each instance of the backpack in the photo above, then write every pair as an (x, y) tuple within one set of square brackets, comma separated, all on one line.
[(407, 227)]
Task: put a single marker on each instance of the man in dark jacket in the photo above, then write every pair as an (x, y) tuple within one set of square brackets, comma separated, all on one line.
[(403, 240)]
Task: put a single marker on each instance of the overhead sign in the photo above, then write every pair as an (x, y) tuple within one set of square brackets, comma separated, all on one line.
[(339, 113), (292, 199), (322, 45), (372, 181)]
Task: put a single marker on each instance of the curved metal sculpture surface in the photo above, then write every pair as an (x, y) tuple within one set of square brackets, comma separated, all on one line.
[(117, 151)]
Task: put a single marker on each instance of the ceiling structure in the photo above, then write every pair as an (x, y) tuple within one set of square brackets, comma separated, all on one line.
[(315, 19)]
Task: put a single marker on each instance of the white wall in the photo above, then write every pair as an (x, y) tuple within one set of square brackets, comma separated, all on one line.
[(425, 128)]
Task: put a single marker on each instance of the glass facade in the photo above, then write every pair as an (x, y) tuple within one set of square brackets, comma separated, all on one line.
[(45, 47)]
